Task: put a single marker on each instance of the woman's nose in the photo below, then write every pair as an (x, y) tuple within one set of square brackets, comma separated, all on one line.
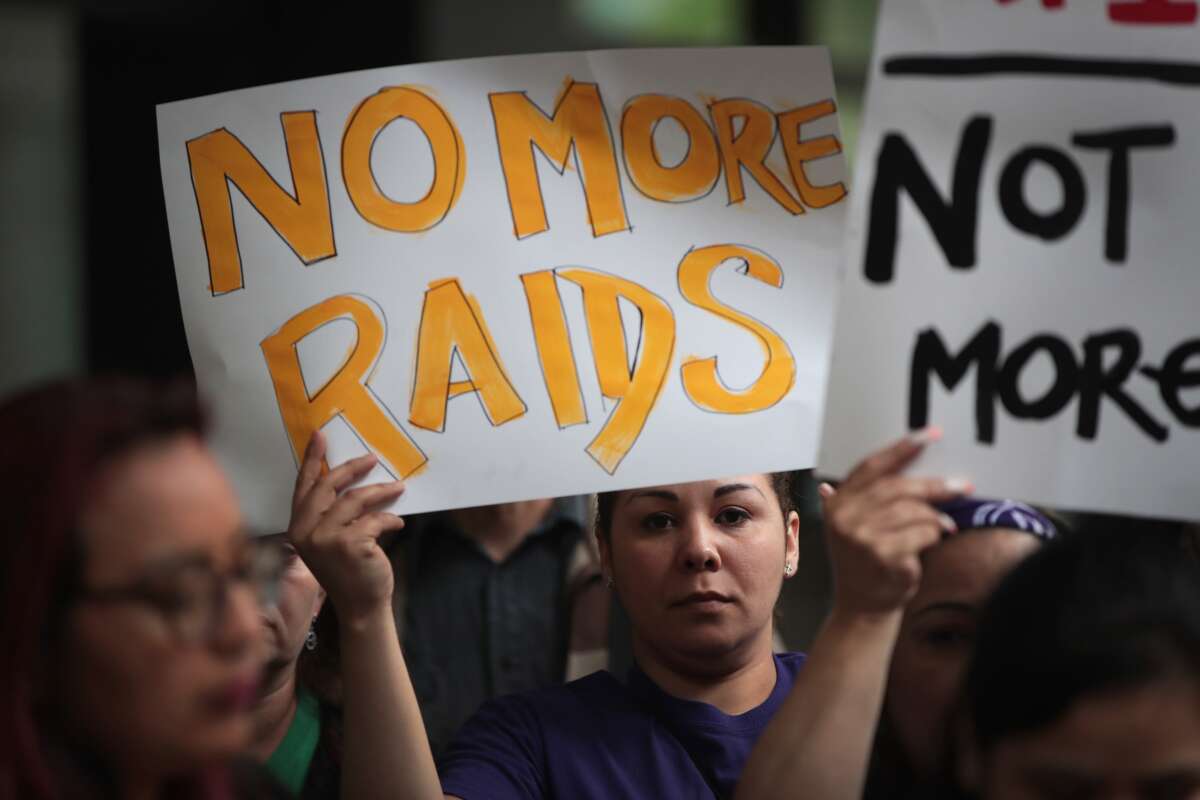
[(698, 552), (241, 622)]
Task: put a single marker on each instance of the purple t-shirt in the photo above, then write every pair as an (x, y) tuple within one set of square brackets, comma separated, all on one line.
[(598, 738)]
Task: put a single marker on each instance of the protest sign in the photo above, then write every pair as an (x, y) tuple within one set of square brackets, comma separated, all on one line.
[(513, 277), (1021, 258)]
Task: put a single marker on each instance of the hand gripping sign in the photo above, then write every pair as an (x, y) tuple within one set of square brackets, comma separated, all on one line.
[(627, 260)]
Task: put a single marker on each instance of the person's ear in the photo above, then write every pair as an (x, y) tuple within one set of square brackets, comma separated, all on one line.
[(604, 548), (791, 552)]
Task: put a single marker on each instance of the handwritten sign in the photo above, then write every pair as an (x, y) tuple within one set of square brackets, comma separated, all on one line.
[(516, 277), (1021, 265)]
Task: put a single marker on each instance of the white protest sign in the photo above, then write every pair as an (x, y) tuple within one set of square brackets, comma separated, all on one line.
[(513, 277), (1022, 251)]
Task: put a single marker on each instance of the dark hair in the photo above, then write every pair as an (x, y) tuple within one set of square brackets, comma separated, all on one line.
[(1112, 610), (56, 438), (781, 483)]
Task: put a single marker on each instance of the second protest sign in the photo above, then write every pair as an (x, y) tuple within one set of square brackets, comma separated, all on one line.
[(1022, 249)]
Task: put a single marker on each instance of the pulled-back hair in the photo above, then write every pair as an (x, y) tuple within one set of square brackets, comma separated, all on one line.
[(1111, 610), (781, 484), (56, 439)]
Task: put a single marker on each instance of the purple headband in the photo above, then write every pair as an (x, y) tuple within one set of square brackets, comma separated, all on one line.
[(971, 513)]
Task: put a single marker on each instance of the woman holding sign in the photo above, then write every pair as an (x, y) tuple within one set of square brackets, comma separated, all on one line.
[(936, 635), (905, 667), (699, 567)]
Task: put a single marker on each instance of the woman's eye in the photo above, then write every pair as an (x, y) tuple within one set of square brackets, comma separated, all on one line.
[(732, 516), (948, 638), (176, 600), (658, 521)]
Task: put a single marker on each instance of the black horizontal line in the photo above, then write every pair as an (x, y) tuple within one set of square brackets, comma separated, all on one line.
[(1185, 73)]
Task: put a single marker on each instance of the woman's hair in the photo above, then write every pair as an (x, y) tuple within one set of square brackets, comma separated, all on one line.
[(1111, 610), (56, 439), (781, 483)]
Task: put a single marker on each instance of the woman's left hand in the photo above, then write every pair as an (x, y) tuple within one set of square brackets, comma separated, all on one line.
[(337, 532), (879, 521)]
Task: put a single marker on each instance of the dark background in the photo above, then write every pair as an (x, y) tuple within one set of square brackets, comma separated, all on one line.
[(135, 58)]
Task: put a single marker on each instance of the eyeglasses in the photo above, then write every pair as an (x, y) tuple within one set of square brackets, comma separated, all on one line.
[(191, 596)]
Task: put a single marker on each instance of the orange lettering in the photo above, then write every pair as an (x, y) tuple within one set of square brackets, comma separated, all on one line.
[(638, 391), (800, 152), (553, 342), (700, 379), (449, 160), (451, 323), (578, 122), (303, 222), (749, 149), (346, 394), (692, 177)]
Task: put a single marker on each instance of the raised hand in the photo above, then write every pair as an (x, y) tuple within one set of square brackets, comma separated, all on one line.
[(336, 531), (879, 521)]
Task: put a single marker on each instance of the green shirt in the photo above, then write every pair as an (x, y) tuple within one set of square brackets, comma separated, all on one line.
[(292, 758)]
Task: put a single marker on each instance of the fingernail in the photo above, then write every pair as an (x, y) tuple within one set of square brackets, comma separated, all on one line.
[(825, 490), (926, 435), (959, 486), (947, 523)]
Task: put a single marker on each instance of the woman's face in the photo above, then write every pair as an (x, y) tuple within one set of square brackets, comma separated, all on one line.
[(153, 677), (698, 566), (937, 634), (1141, 744), (287, 620)]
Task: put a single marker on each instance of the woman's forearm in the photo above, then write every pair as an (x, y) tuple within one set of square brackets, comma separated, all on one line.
[(819, 743), (387, 753)]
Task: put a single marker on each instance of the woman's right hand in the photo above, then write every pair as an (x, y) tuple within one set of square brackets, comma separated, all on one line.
[(878, 522), (337, 531)]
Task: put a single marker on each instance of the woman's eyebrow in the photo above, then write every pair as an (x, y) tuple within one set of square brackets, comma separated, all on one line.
[(729, 488), (659, 494), (955, 606), (191, 559), (174, 562)]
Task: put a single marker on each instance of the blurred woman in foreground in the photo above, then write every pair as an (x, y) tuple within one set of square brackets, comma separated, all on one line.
[(1085, 680), (132, 645)]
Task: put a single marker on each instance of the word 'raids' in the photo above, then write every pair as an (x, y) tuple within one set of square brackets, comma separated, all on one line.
[(452, 326)]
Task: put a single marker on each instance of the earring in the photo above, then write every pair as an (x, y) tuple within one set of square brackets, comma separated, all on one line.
[(787, 570), (310, 641)]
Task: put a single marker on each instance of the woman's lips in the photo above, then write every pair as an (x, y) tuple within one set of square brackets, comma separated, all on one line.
[(237, 695), (703, 601)]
